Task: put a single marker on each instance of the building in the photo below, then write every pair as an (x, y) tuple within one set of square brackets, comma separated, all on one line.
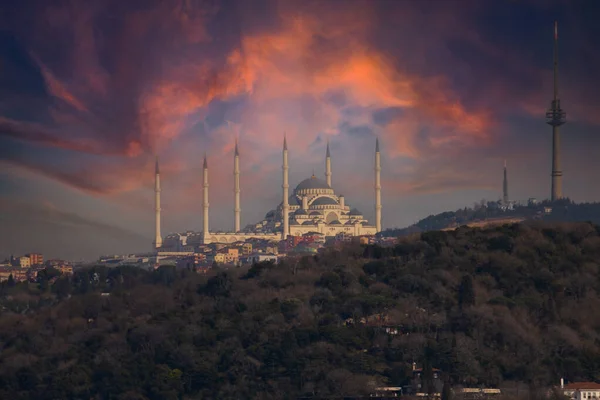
[(18, 275), (24, 262), (581, 390), (246, 249), (293, 241), (65, 269), (467, 393), (219, 257), (35, 258), (54, 263), (260, 257), (190, 262), (313, 206), (232, 256), (387, 392), (419, 384)]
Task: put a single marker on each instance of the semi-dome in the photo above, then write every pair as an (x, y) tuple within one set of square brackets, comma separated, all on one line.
[(308, 223), (312, 183), (354, 211), (300, 212), (293, 201), (336, 222), (324, 201), (315, 214)]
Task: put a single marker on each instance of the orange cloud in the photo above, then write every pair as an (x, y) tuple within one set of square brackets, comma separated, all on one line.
[(285, 75), (57, 89)]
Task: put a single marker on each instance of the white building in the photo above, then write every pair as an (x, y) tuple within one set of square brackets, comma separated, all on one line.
[(260, 257), (313, 206), (581, 390)]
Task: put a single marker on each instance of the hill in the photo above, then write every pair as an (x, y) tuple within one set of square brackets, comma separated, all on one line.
[(490, 213), (514, 303)]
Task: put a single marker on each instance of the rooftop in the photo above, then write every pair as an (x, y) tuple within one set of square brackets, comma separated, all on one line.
[(312, 183), (582, 386)]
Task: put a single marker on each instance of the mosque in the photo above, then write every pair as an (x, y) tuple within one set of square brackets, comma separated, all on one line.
[(312, 207)]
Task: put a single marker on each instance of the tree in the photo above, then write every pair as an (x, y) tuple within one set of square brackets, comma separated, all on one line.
[(11, 281), (269, 332), (466, 292), (446, 390), (62, 287)]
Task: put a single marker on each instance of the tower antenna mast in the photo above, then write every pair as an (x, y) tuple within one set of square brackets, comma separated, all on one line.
[(555, 117)]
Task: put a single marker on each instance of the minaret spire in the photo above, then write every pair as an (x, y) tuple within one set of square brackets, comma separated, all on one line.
[(377, 186), (157, 237), (236, 188), (285, 203), (505, 187), (205, 231), (556, 117), (328, 165)]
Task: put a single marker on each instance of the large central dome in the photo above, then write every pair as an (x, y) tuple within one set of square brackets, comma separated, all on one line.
[(312, 183)]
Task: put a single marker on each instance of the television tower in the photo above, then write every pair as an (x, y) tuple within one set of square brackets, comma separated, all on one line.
[(157, 237), (505, 187), (555, 117)]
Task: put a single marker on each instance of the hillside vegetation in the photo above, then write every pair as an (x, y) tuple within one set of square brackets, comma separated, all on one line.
[(514, 303), (482, 213)]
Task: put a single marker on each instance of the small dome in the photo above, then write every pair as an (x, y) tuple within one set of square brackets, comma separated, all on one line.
[(336, 222), (355, 212), (270, 214), (349, 223), (324, 201), (300, 212), (294, 222), (312, 183), (308, 223)]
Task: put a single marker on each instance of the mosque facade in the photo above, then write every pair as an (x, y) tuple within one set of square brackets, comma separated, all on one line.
[(313, 206)]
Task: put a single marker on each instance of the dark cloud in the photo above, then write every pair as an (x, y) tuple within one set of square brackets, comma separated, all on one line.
[(384, 116)]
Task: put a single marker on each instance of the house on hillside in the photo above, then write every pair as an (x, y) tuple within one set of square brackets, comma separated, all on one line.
[(581, 390), (466, 393), (419, 385)]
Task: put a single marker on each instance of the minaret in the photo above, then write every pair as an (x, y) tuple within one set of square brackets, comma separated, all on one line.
[(505, 187), (157, 237), (285, 186), (377, 186), (205, 231), (236, 188), (556, 117), (328, 165)]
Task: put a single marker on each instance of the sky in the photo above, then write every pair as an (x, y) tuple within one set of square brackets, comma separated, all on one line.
[(92, 91)]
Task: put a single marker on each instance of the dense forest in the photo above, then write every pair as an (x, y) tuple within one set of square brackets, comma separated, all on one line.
[(517, 303), (563, 210)]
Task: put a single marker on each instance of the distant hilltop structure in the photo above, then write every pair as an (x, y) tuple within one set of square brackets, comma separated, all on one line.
[(555, 117), (313, 206), (505, 187)]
